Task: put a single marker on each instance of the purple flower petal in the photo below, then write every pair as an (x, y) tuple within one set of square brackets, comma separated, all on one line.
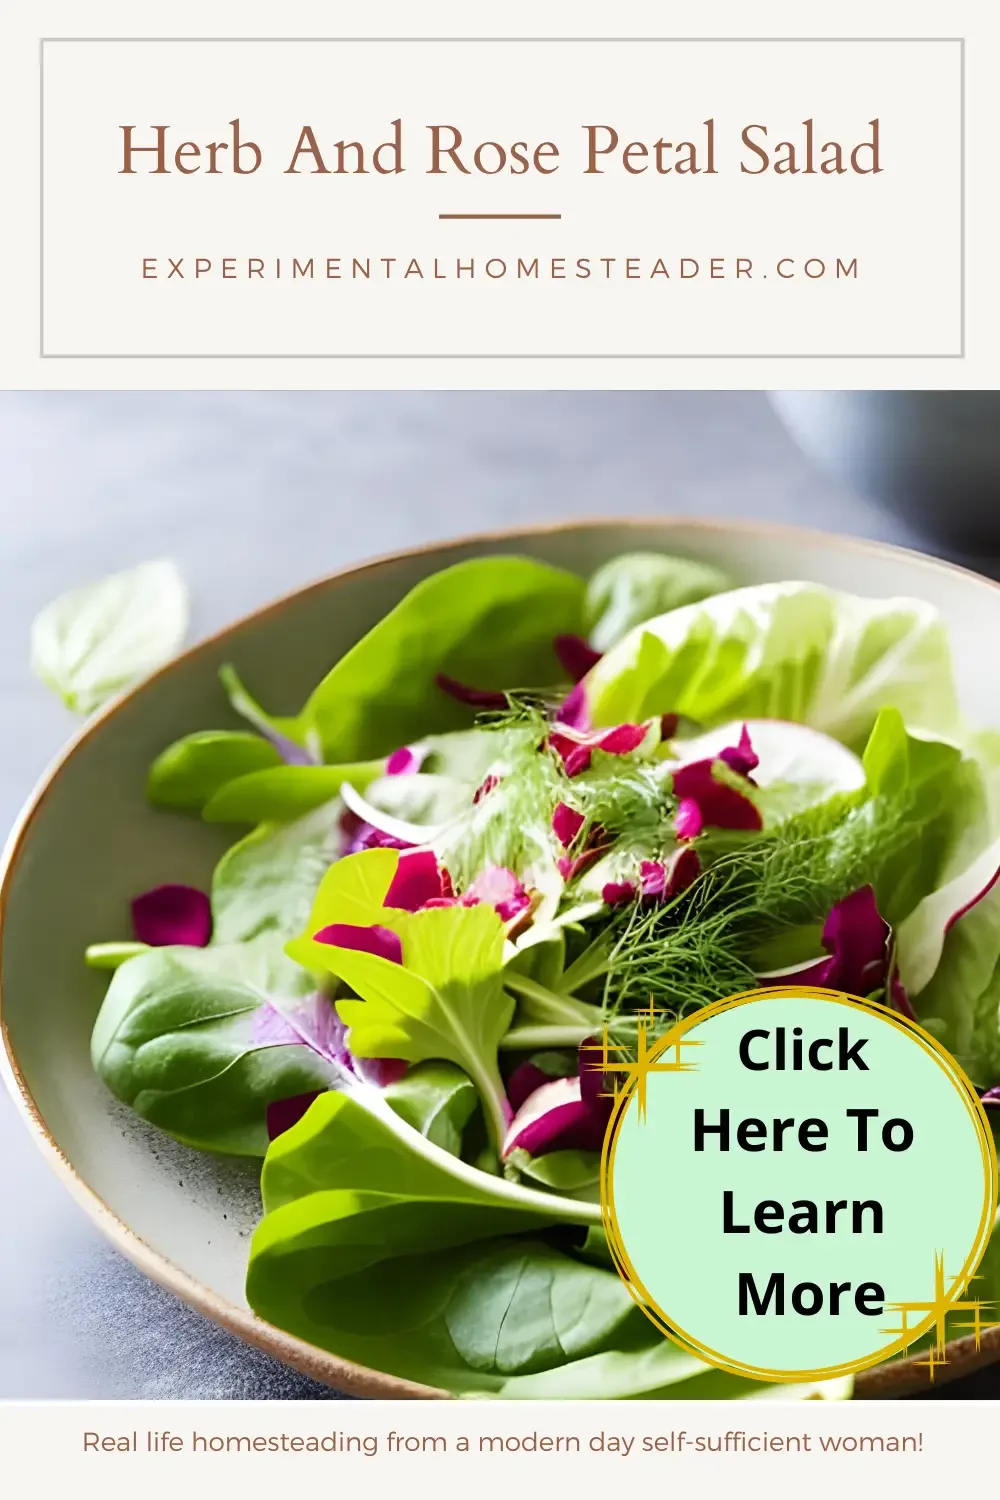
[(500, 888), (284, 1113), (668, 726), (379, 941), (618, 892), (741, 758), (171, 914), (404, 762), (566, 824), (314, 1023), (991, 1098), (475, 697), (490, 784), (417, 880), (576, 656), (574, 711)]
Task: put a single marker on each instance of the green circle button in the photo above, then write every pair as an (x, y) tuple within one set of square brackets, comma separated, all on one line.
[(797, 1184)]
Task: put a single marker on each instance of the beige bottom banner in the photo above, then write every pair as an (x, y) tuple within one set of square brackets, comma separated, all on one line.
[(111, 1448)]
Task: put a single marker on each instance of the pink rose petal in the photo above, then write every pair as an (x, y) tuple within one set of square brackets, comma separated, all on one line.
[(688, 821), (500, 888)]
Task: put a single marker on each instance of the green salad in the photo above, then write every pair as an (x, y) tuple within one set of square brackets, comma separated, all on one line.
[(521, 808)]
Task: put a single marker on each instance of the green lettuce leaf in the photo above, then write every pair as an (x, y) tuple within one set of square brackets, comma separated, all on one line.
[(639, 586), (784, 651), (445, 1001), (279, 794)]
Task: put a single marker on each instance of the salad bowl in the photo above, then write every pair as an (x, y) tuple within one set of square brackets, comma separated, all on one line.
[(88, 842)]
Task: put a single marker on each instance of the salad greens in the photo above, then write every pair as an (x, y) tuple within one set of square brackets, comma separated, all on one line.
[(518, 807)]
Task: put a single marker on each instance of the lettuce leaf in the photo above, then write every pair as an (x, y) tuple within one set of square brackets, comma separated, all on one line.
[(783, 651), (639, 586)]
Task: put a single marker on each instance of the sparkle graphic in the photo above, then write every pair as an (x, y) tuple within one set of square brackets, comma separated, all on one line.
[(615, 1058), (945, 1301)]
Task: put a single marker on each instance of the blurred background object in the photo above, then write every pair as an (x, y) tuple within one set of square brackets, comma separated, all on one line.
[(931, 456)]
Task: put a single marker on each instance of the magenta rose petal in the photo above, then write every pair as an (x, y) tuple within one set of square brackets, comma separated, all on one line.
[(381, 942), (576, 656), (621, 740), (618, 892), (416, 881), (404, 762), (284, 1113), (522, 1083), (566, 824), (474, 697), (574, 711), (741, 758), (172, 914)]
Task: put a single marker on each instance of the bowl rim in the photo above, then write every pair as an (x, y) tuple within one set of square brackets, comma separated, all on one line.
[(894, 1379)]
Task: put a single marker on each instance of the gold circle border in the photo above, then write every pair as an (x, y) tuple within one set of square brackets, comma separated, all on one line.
[(932, 1047)]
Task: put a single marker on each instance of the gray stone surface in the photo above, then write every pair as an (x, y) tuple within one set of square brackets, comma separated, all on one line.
[(254, 494)]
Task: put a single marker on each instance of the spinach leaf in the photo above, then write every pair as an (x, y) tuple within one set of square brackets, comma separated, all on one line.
[(384, 1250), (92, 643), (489, 622), (189, 772), (438, 1100), (638, 586), (178, 1039), (268, 881), (278, 794)]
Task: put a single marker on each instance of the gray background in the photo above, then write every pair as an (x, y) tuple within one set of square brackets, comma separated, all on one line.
[(254, 494)]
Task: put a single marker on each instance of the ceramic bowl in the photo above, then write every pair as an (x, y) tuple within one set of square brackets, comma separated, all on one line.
[(87, 841)]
